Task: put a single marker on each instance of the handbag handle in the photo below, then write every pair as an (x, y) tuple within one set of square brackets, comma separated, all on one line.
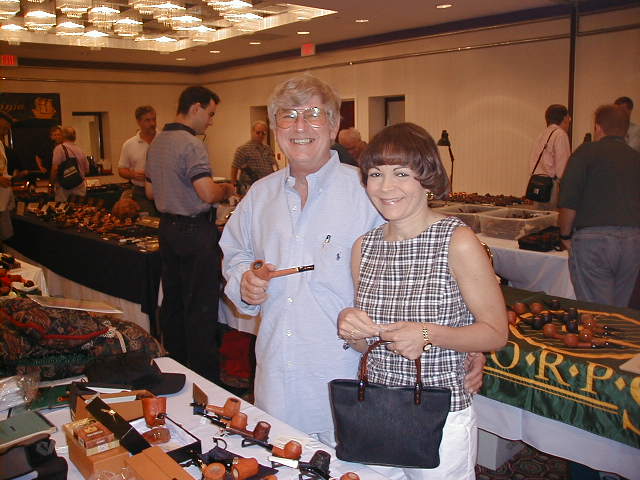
[(66, 152), (364, 380), (542, 151)]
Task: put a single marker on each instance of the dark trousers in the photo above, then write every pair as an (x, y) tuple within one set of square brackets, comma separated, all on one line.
[(190, 284)]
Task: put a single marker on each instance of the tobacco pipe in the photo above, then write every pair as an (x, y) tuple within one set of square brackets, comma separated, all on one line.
[(238, 425), (573, 340), (230, 408), (214, 471), (292, 450), (551, 331), (592, 323), (241, 469), (244, 468), (318, 464), (260, 269), (157, 435)]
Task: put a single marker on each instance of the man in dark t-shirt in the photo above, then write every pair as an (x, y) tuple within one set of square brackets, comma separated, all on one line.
[(600, 212)]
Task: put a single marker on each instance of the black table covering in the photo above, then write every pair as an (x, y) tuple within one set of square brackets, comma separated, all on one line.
[(83, 257)]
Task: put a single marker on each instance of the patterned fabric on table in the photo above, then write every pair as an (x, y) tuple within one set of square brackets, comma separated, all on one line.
[(410, 280), (61, 341)]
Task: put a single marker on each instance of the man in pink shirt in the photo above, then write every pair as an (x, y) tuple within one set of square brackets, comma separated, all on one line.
[(553, 142)]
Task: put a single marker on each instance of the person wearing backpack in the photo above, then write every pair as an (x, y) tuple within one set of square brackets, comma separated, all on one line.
[(69, 167)]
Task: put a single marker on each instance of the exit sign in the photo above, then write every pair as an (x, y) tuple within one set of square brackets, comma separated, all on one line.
[(307, 49), (9, 60)]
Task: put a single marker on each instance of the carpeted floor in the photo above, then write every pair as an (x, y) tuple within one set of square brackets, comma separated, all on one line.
[(531, 464)]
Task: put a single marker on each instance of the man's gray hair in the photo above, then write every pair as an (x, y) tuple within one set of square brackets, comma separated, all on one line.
[(298, 91)]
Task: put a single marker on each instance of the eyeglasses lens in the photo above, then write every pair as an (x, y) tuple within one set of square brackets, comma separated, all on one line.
[(314, 116)]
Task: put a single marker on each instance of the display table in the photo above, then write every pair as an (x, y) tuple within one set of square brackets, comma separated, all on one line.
[(535, 271), (91, 265), (179, 410), (572, 403)]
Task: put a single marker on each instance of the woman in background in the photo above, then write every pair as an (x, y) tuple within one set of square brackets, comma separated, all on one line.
[(59, 156), (426, 286)]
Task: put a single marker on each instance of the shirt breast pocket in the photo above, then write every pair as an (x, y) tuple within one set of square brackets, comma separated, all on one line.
[(333, 283)]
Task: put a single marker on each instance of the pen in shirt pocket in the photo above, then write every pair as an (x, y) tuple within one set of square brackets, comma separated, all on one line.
[(327, 240)]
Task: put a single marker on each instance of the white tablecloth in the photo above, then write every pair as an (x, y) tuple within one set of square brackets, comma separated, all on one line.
[(536, 271), (557, 438), (62, 287), (179, 410)]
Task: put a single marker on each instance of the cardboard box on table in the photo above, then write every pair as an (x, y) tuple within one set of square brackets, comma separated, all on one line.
[(130, 439), (124, 403), (154, 464)]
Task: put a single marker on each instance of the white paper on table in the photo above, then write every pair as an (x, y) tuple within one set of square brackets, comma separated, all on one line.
[(632, 365), (73, 304)]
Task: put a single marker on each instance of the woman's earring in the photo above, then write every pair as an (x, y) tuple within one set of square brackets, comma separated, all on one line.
[(430, 195)]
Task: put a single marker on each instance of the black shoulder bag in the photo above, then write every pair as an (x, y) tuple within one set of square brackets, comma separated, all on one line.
[(68, 173), (393, 426), (540, 186)]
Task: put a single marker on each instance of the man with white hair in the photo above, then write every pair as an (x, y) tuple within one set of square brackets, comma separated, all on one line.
[(254, 159), (351, 140)]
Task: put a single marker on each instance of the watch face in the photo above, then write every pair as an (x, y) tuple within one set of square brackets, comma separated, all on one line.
[(427, 347)]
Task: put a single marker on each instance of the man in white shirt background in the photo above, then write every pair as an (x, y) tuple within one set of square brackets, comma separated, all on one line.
[(633, 134), (133, 156)]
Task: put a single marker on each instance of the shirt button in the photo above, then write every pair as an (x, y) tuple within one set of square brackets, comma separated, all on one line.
[(289, 364), (289, 299), (289, 333), (294, 208)]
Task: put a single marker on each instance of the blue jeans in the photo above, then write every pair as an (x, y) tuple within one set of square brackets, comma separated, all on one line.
[(604, 264)]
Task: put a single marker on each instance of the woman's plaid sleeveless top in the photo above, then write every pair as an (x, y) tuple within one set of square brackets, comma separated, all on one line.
[(409, 280)]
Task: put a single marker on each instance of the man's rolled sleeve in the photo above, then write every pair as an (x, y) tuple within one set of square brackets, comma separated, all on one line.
[(238, 256)]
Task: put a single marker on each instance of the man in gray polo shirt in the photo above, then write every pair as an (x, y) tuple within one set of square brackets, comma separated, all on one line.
[(180, 180)]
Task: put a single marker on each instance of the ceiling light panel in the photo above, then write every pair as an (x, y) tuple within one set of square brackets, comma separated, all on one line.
[(137, 24)]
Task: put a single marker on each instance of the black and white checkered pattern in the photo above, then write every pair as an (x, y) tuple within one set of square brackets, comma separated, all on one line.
[(410, 281)]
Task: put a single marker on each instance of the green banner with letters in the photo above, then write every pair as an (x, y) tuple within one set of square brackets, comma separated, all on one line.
[(583, 387)]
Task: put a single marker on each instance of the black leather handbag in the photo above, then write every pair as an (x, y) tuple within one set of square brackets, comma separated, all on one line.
[(540, 186), (392, 426)]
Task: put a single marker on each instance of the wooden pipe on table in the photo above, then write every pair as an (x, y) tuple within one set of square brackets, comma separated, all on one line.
[(551, 331), (238, 426), (230, 408), (259, 268), (259, 436), (241, 469)]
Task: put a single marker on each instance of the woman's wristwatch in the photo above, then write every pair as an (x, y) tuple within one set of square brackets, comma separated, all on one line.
[(566, 237), (427, 339)]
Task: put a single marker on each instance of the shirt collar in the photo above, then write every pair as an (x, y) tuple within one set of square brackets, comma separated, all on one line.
[(178, 126), (612, 138), (319, 180)]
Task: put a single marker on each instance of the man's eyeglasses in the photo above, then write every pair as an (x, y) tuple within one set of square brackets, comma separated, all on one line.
[(314, 116)]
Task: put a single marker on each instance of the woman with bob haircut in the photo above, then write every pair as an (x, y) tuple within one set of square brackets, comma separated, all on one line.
[(425, 285)]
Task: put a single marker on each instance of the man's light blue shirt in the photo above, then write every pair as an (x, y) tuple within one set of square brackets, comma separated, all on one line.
[(297, 350)]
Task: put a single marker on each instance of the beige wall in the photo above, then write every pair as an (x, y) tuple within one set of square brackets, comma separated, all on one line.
[(488, 88), (116, 93)]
